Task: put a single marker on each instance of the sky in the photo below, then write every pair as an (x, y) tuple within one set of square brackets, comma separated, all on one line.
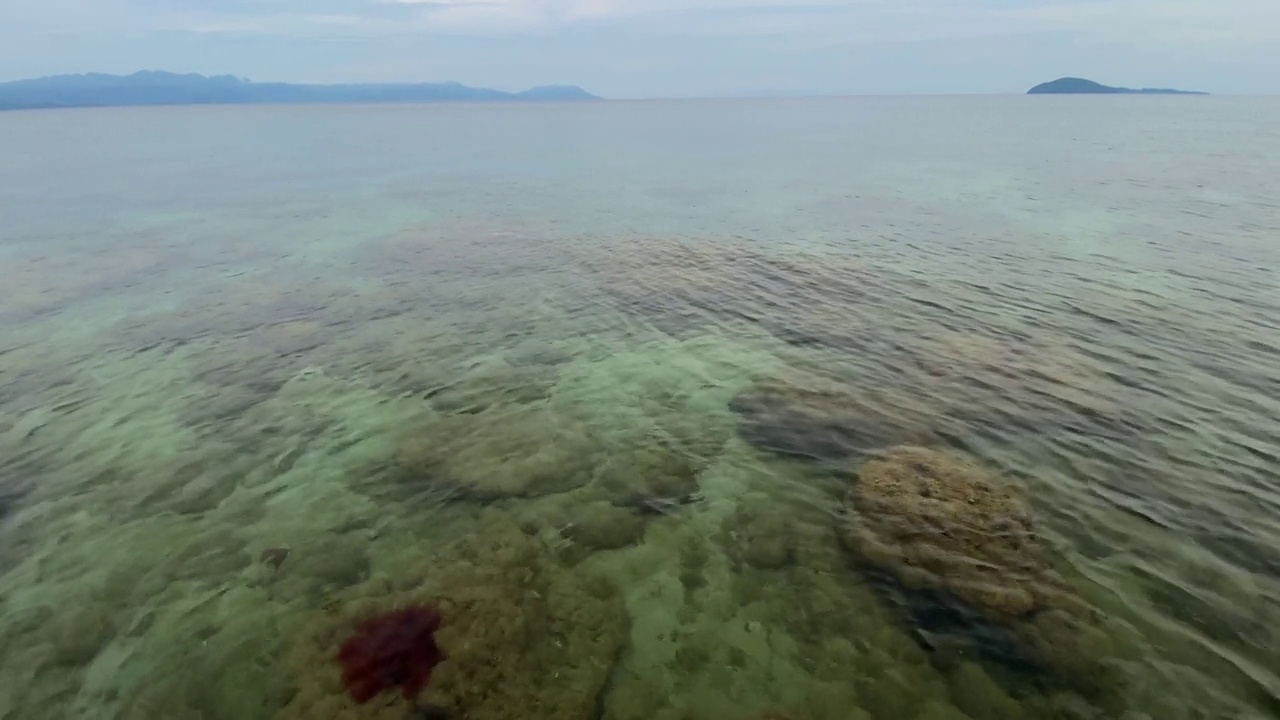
[(663, 48)]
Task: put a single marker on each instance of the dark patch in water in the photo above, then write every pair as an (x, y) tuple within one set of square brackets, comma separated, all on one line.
[(940, 622), (11, 495), (814, 425), (1217, 620), (650, 505), (1092, 315), (799, 338), (1243, 552), (1257, 452), (1262, 347), (928, 303)]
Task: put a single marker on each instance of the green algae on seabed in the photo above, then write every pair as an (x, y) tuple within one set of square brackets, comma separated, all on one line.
[(736, 605), (709, 574), (523, 636)]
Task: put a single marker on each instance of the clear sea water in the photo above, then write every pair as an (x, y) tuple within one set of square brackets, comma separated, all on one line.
[(266, 371)]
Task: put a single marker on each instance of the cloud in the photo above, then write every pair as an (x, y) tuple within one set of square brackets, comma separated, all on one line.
[(1136, 21), (234, 27), (1162, 22)]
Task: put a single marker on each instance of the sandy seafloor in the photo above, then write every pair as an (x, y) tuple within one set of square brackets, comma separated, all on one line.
[(495, 357)]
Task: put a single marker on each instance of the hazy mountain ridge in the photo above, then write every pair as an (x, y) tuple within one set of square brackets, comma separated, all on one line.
[(165, 88), (1080, 86)]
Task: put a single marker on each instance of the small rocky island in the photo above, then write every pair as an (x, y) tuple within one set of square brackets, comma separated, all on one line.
[(154, 87), (1080, 86)]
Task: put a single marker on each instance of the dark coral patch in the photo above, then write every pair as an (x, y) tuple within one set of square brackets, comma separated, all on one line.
[(396, 649), (824, 424)]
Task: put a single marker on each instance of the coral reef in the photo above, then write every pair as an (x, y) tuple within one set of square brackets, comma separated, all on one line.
[(937, 520), (11, 493), (602, 526), (975, 693), (212, 657), (77, 633), (818, 423), (494, 385), (331, 563), (209, 556), (1066, 390), (196, 487), (524, 636), (396, 649), (959, 539), (651, 480), (684, 287), (273, 557), (760, 534), (521, 452)]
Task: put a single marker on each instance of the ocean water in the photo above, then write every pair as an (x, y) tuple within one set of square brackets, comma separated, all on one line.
[(621, 390)]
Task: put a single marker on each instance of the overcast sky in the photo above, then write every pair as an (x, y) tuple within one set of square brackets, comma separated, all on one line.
[(663, 48)]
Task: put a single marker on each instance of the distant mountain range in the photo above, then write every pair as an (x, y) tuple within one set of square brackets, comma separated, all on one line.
[(164, 88), (1080, 86)]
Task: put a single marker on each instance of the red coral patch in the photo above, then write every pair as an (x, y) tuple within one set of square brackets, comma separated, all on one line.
[(396, 649)]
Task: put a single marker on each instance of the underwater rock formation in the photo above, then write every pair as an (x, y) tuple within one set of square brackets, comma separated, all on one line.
[(330, 564), (524, 636), (196, 486), (1069, 391), (602, 526), (761, 534), (682, 288), (494, 385), (76, 634), (521, 452), (818, 424), (937, 520), (396, 649), (655, 480), (11, 493), (273, 557), (959, 540)]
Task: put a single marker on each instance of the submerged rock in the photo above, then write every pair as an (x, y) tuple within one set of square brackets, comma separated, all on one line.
[(683, 288), (208, 557), (974, 692), (494, 387), (78, 633), (523, 452), (959, 541), (523, 637), (330, 564), (937, 520), (760, 534), (602, 526), (657, 479), (11, 494), (817, 424)]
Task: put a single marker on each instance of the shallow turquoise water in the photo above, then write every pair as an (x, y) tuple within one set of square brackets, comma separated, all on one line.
[(387, 338)]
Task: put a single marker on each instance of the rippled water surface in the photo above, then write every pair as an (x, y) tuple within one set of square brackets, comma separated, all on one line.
[(824, 410)]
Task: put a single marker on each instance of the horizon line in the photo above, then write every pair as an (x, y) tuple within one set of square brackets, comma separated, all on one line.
[(747, 94)]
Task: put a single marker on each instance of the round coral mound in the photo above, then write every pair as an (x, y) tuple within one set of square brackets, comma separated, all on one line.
[(394, 649), (823, 422), (938, 520), (522, 452)]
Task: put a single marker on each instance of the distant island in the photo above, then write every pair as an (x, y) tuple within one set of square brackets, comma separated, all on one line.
[(164, 88), (1080, 86)]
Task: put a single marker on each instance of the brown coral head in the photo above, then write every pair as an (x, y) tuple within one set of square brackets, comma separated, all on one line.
[(396, 649), (274, 557)]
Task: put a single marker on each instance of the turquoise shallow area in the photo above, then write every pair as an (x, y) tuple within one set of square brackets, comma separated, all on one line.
[(601, 381)]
